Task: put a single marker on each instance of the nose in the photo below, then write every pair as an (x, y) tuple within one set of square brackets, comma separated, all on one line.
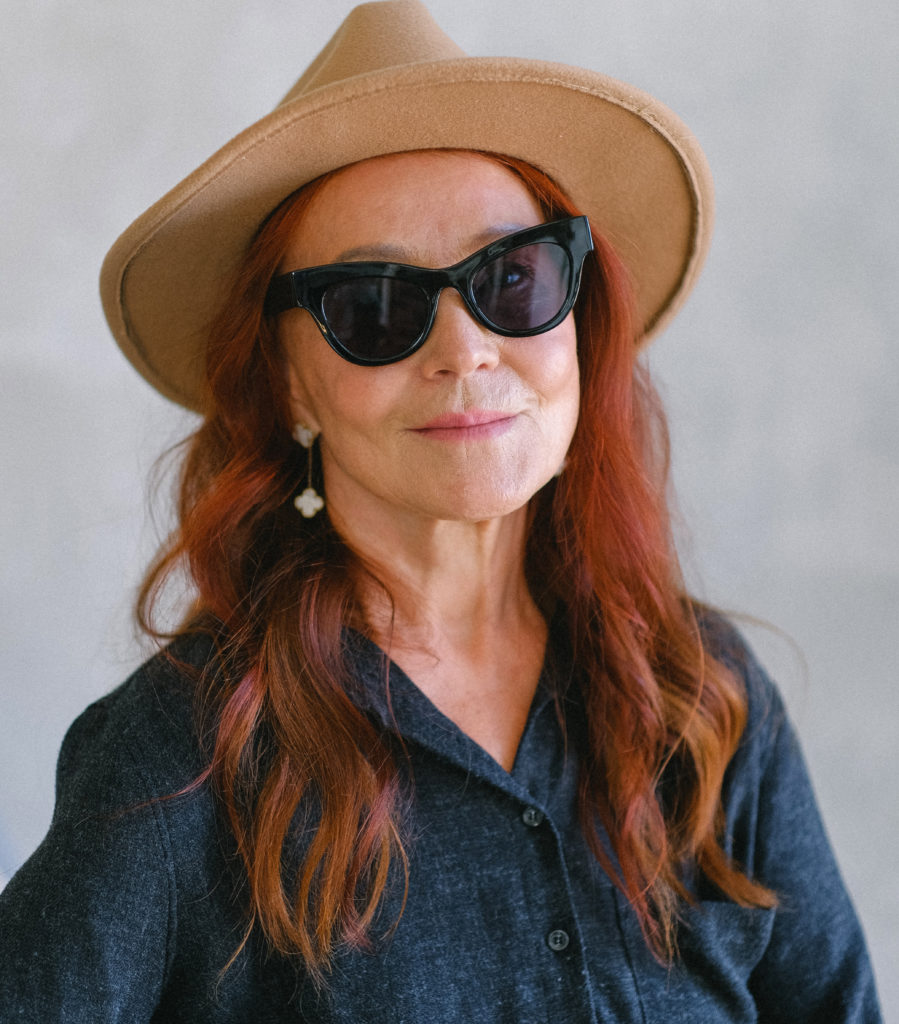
[(458, 344)]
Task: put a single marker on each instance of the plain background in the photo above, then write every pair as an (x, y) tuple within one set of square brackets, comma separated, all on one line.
[(780, 375)]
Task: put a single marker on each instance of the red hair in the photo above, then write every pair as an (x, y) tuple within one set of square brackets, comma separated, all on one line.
[(278, 591)]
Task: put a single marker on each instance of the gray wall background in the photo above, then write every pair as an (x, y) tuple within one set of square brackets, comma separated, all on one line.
[(780, 375)]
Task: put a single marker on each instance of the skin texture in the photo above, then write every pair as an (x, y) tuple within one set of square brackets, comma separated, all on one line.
[(434, 502)]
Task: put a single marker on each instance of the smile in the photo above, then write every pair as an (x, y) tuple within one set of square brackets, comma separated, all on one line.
[(474, 425)]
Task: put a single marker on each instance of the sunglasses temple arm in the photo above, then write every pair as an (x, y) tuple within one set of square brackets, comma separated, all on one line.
[(282, 295)]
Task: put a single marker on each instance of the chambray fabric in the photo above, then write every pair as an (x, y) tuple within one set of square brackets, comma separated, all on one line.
[(131, 906)]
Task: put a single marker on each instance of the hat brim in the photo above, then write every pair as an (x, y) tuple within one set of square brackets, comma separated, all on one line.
[(625, 160)]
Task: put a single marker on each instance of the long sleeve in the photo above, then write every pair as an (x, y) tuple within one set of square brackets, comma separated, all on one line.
[(134, 905), (816, 967), (85, 924)]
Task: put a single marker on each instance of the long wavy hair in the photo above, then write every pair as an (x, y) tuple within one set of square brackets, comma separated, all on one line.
[(278, 591)]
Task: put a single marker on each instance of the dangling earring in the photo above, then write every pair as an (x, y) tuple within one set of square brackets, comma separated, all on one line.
[(310, 502)]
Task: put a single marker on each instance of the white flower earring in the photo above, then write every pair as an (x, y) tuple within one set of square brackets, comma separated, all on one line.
[(310, 502)]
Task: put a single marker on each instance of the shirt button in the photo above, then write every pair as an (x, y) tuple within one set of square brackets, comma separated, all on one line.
[(532, 817), (557, 940)]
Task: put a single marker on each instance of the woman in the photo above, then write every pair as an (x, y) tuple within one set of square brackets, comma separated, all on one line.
[(442, 737)]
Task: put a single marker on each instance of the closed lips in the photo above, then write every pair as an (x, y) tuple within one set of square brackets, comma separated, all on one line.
[(468, 424)]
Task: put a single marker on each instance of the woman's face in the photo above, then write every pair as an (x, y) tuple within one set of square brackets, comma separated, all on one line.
[(472, 424)]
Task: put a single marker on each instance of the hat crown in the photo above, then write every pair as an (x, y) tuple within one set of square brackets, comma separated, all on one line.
[(373, 37), (390, 80)]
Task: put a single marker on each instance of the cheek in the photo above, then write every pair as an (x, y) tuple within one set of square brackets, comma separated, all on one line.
[(555, 374), (343, 400), (325, 389), (297, 337)]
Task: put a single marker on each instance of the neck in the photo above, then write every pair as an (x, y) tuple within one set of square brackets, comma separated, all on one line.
[(446, 581), (451, 607)]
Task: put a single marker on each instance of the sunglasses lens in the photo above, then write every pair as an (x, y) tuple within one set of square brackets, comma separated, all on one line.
[(524, 289), (377, 319), (381, 316)]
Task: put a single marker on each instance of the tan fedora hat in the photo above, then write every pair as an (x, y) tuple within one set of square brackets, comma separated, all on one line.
[(390, 80)]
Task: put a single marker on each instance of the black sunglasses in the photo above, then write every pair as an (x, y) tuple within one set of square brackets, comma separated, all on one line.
[(378, 313)]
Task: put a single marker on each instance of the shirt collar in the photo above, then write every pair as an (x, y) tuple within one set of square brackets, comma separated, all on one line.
[(388, 695)]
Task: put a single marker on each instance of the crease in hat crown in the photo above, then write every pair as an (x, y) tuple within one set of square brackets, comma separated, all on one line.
[(390, 80), (367, 41)]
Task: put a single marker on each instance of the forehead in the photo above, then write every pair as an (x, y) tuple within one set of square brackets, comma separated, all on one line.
[(431, 208)]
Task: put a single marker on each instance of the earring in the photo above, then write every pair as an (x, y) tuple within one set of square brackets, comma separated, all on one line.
[(310, 502)]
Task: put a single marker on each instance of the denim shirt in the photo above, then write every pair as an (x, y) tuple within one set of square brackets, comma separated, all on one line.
[(131, 907)]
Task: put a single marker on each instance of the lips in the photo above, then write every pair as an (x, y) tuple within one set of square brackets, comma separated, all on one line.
[(466, 426), (460, 420)]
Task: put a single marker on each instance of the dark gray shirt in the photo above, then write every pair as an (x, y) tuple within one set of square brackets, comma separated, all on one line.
[(131, 907)]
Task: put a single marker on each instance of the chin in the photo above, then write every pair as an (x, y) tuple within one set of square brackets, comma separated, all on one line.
[(480, 503)]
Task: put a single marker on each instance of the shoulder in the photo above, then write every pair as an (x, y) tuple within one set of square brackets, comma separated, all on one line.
[(766, 794), (765, 710), (139, 741), (91, 921), (768, 749), (128, 798), (774, 831)]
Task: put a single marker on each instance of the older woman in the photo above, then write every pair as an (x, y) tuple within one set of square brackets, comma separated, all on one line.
[(442, 738)]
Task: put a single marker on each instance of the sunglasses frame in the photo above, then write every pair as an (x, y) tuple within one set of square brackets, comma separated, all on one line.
[(305, 288)]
